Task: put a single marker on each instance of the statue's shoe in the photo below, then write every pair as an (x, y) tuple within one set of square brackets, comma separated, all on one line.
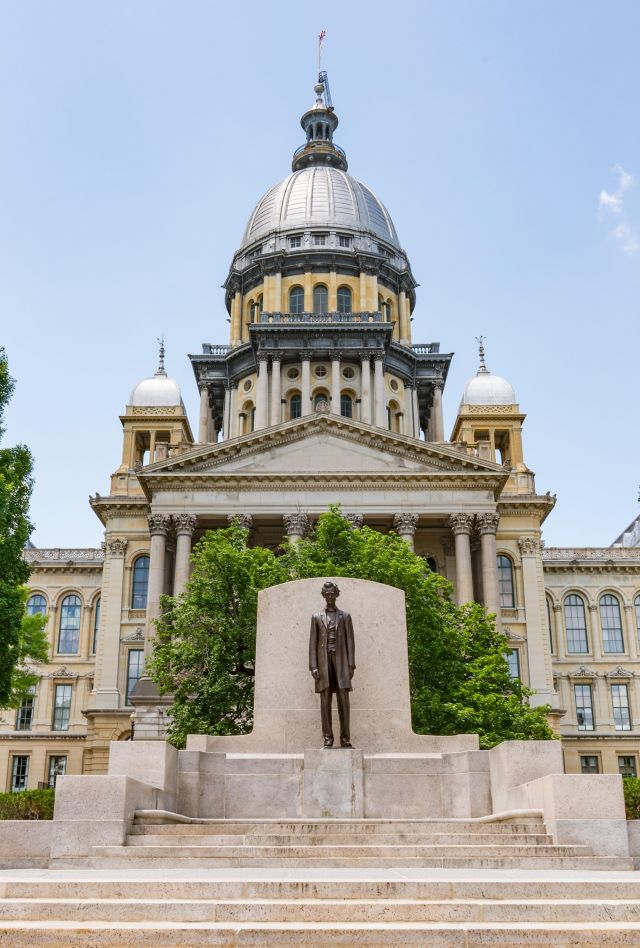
[(346, 744), (328, 742)]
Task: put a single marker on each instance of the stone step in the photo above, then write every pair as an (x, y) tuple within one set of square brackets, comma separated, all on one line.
[(145, 826), (371, 850), (53, 934), (336, 839)]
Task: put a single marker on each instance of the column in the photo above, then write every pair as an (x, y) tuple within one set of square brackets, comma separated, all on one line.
[(236, 319), (335, 385), (409, 424), (226, 412), (267, 293), (185, 525), (305, 385), (262, 392), (405, 526), (308, 293), (203, 424), (416, 413), (158, 528), (333, 291), (487, 524), (277, 292), (365, 388), (233, 411), (373, 293), (379, 412), (402, 318), (438, 420), (296, 525), (363, 291), (540, 672), (461, 524), (276, 392), (107, 659)]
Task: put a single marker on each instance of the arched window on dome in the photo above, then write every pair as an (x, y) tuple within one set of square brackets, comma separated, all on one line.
[(320, 299), (140, 583), (295, 406), (296, 300), (394, 417), (344, 300), (247, 418)]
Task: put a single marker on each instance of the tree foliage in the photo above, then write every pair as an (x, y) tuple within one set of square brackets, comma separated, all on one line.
[(459, 677)]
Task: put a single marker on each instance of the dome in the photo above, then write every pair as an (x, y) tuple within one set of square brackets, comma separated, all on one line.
[(488, 389), (157, 391), (320, 196)]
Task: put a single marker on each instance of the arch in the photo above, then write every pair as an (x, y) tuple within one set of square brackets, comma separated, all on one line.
[(575, 622), (506, 585), (296, 300), (140, 582), (69, 625), (295, 405), (345, 299), (611, 624), (247, 418), (394, 416), (36, 605), (320, 298)]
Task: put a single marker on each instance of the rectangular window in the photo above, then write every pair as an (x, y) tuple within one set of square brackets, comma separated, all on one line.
[(513, 658), (134, 670), (627, 766), (343, 240), (590, 764), (620, 701), (319, 240), (24, 715), (62, 708), (19, 773), (57, 768), (295, 241), (584, 707)]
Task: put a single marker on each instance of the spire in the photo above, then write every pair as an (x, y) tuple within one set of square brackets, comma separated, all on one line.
[(483, 370), (319, 124), (160, 370)]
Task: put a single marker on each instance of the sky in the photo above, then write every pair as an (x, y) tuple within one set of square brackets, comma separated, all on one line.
[(501, 136)]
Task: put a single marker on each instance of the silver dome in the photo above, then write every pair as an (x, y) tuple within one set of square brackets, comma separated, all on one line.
[(320, 197), (488, 389), (156, 391)]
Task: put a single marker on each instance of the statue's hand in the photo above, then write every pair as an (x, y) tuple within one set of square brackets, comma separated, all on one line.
[(351, 671), (315, 673)]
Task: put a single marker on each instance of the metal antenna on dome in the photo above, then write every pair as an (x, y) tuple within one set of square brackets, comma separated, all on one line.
[(480, 340), (161, 370)]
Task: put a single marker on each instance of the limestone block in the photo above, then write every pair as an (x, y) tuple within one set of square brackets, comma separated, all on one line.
[(263, 796), (466, 795), (606, 837), (25, 843), (402, 796), (333, 783), (517, 762), (152, 762), (633, 830)]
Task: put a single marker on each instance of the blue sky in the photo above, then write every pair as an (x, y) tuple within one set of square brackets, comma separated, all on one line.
[(502, 136)]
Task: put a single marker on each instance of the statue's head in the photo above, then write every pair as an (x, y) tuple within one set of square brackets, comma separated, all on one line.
[(330, 592)]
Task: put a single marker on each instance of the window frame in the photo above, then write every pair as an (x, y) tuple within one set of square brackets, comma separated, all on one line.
[(594, 757), (96, 625), (31, 699), (621, 710), (344, 300), (607, 627), (23, 777), (51, 776), (60, 722), (506, 585), (566, 604), (295, 399), (320, 289), (65, 606), (583, 708), (139, 598), (131, 681), (632, 766), (510, 655), (39, 611), (295, 300), (344, 398)]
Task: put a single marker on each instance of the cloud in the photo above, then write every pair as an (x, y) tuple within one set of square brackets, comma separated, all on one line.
[(612, 203)]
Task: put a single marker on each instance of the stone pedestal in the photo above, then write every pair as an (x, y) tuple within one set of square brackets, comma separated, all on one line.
[(333, 784)]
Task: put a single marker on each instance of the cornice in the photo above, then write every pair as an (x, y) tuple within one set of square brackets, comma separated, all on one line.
[(117, 506)]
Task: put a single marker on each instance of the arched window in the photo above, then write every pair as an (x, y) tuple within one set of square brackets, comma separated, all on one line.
[(320, 399), (346, 406), (247, 418), (320, 299), (576, 625), (636, 603), (295, 406), (296, 300), (36, 605), (549, 624), (69, 634), (140, 583), (611, 624), (96, 626), (344, 299), (505, 583)]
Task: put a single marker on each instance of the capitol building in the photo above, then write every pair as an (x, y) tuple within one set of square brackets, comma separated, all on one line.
[(320, 395)]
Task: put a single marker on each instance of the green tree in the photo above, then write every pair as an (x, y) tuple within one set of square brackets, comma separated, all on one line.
[(459, 677), (18, 634)]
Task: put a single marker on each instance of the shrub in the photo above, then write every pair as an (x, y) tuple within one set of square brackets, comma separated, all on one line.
[(27, 805), (632, 797)]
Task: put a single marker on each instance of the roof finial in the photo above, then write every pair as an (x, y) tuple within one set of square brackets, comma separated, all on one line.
[(480, 340), (161, 370)]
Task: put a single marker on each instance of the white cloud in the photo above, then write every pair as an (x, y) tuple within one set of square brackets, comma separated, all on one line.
[(612, 203)]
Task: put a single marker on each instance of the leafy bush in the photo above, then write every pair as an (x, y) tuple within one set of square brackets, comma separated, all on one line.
[(632, 797), (27, 805)]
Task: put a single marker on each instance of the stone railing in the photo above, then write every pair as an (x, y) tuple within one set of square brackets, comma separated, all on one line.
[(426, 348), (568, 554), (62, 555), (334, 317), (209, 349)]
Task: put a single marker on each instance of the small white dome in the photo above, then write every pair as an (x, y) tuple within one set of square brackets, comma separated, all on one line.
[(488, 389), (157, 390)]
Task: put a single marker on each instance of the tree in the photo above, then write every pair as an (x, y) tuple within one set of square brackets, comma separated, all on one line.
[(459, 677), (18, 635)]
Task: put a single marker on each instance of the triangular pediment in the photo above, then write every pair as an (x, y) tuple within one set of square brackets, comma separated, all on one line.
[(323, 444)]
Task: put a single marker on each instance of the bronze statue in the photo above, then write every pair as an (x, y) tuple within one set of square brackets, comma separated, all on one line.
[(332, 662)]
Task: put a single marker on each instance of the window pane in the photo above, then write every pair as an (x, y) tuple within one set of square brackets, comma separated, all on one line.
[(57, 768), (320, 299), (24, 715), (96, 626), (134, 670), (346, 406), (19, 773), (584, 707), (627, 766), (549, 625), (69, 637), (611, 623), (36, 606), (295, 406), (505, 583), (140, 583), (296, 300), (576, 624), (513, 659), (620, 702), (62, 708), (590, 765), (344, 299)]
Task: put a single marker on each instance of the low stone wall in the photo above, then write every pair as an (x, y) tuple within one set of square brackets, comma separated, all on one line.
[(633, 829), (25, 844)]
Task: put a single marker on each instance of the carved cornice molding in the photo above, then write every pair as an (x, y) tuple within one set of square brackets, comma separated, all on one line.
[(619, 672), (62, 672), (583, 671), (137, 636), (429, 481)]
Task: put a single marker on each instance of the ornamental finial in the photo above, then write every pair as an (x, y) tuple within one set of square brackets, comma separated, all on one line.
[(161, 370), (480, 340)]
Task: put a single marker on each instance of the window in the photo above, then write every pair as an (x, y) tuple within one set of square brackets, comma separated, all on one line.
[(296, 300), (140, 583), (321, 401), (320, 299), (57, 768), (19, 773), (295, 406), (513, 660), (584, 707), (620, 702), (346, 406), (590, 764), (135, 658), (62, 708), (69, 637), (256, 252), (505, 583), (611, 623), (627, 766), (36, 605), (576, 625), (96, 626), (549, 625), (319, 240), (343, 240), (344, 299), (295, 241), (24, 714)]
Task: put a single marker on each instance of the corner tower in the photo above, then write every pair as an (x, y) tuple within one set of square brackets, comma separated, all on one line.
[(320, 296)]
